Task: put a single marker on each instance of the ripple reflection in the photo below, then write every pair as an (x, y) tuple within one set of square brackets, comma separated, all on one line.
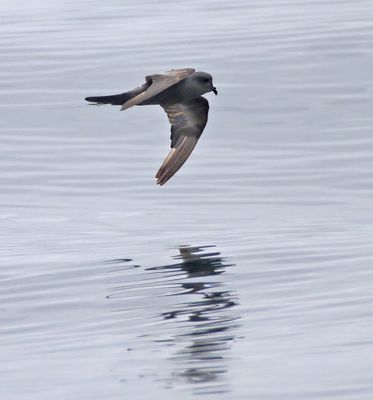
[(207, 323)]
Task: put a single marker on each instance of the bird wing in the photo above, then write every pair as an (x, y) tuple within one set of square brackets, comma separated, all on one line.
[(158, 83), (188, 120)]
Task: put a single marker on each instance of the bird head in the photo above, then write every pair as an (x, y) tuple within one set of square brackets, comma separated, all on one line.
[(203, 81)]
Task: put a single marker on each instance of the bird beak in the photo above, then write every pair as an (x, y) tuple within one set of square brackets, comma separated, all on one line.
[(214, 90)]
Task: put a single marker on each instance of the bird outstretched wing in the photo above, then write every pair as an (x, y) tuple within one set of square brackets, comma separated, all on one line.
[(158, 83), (188, 120)]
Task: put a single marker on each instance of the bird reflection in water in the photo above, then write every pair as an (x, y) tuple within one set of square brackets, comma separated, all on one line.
[(208, 312)]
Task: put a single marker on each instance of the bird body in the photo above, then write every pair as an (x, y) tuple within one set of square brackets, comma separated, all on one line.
[(179, 92)]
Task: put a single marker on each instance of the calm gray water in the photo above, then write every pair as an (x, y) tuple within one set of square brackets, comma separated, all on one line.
[(249, 275)]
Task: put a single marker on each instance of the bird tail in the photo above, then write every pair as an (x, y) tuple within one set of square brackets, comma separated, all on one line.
[(115, 100)]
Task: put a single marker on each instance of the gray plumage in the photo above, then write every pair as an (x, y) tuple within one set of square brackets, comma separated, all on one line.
[(179, 92)]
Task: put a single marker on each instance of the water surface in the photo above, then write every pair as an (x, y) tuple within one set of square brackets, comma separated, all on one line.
[(249, 274)]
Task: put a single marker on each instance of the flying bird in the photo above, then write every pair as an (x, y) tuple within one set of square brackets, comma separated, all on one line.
[(179, 92)]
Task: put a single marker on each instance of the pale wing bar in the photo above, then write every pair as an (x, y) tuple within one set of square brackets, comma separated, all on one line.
[(158, 83), (175, 159), (187, 123)]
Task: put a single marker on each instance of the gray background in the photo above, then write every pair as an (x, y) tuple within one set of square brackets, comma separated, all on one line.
[(95, 302)]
